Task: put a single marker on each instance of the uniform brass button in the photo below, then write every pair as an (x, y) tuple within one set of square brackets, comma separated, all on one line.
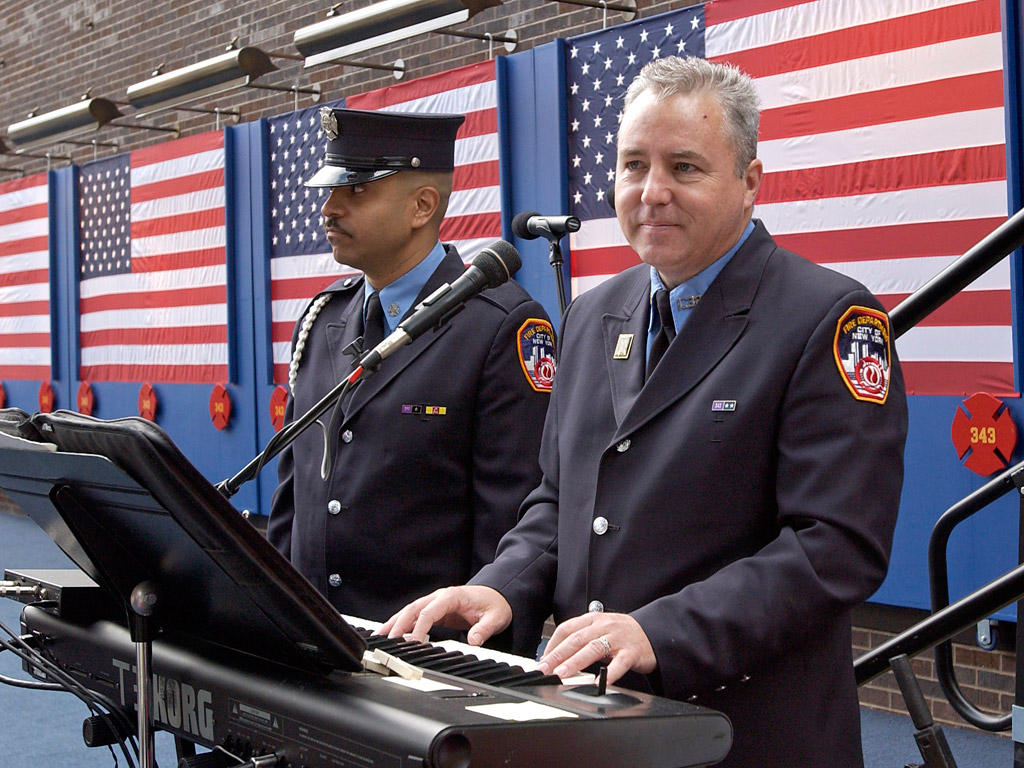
[(596, 606), (600, 526), (623, 446), (334, 580), (346, 436), (334, 506)]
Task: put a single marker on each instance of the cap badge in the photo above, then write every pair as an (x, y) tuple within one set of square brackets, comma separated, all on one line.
[(329, 122)]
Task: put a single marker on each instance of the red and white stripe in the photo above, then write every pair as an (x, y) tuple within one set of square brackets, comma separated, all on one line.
[(166, 320), (24, 279), (883, 141), (294, 280)]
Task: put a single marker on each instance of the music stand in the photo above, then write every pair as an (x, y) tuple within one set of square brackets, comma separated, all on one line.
[(132, 512)]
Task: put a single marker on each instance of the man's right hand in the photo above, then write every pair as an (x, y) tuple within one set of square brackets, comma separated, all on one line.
[(480, 610)]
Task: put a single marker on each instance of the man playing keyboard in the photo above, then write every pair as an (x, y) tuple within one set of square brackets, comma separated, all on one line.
[(722, 457)]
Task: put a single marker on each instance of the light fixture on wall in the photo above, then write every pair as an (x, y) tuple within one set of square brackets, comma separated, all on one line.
[(75, 120), (388, 21), (72, 125), (235, 69), (226, 72)]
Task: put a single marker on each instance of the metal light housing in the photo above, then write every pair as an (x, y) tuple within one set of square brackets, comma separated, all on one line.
[(80, 118), (231, 70), (379, 24)]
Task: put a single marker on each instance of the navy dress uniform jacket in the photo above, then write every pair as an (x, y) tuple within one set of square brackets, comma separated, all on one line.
[(739, 539), (415, 500)]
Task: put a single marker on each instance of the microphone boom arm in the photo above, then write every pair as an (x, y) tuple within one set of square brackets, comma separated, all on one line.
[(286, 436)]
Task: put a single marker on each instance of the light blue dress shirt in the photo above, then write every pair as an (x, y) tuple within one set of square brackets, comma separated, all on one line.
[(399, 296), (684, 297)]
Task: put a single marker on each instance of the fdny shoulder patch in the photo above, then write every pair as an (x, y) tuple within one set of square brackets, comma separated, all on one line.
[(536, 344), (862, 353)]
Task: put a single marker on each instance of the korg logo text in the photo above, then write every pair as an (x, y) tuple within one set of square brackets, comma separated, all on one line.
[(175, 704)]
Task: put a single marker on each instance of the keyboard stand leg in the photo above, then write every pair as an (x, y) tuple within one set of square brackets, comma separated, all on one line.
[(143, 627)]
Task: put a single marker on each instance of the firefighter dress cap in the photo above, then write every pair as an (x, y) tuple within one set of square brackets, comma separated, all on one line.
[(364, 145)]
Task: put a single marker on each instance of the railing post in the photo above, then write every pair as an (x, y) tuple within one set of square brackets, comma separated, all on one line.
[(1017, 718)]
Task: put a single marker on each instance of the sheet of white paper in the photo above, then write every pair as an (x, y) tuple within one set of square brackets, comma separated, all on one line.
[(423, 684), (521, 711)]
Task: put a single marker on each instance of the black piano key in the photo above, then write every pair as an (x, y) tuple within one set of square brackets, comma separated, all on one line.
[(535, 677), (444, 660), (468, 666), (402, 647), (415, 655), (387, 643), (497, 675)]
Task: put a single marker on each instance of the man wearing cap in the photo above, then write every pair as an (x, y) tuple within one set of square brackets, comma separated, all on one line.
[(430, 457)]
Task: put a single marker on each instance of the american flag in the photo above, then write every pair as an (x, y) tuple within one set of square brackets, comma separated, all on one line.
[(301, 267), (153, 264), (300, 257), (24, 279), (600, 66), (883, 140)]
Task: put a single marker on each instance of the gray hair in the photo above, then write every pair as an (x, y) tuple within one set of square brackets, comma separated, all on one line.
[(733, 90)]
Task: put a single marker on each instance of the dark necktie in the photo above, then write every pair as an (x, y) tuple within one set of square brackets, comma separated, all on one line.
[(665, 334), (373, 327)]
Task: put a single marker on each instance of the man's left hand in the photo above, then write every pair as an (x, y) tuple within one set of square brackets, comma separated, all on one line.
[(616, 638)]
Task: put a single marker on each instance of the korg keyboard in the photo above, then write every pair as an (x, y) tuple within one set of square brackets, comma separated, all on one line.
[(245, 706), (252, 661)]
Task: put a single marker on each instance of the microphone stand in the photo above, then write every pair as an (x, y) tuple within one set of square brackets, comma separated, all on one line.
[(555, 259), (284, 438)]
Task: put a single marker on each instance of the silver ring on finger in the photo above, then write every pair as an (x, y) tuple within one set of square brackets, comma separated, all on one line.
[(606, 645)]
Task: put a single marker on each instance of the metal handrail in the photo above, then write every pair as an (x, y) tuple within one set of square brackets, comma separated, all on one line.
[(940, 626), (947, 621), (938, 579)]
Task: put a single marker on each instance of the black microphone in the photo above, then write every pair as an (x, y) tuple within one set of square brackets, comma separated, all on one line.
[(530, 225), (493, 266)]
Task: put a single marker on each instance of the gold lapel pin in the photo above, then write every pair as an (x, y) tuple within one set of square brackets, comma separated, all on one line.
[(622, 346)]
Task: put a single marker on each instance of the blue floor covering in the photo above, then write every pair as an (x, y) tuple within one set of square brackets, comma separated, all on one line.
[(41, 728)]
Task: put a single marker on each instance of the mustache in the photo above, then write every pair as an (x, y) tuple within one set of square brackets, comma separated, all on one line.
[(329, 221)]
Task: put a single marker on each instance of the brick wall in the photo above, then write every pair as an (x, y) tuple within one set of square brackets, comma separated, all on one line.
[(53, 53)]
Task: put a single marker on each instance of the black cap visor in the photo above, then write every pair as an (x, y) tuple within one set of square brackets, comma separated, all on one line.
[(337, 176)]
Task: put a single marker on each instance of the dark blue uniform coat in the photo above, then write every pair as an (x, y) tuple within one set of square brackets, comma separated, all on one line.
[(421, 499), (738, 539)]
